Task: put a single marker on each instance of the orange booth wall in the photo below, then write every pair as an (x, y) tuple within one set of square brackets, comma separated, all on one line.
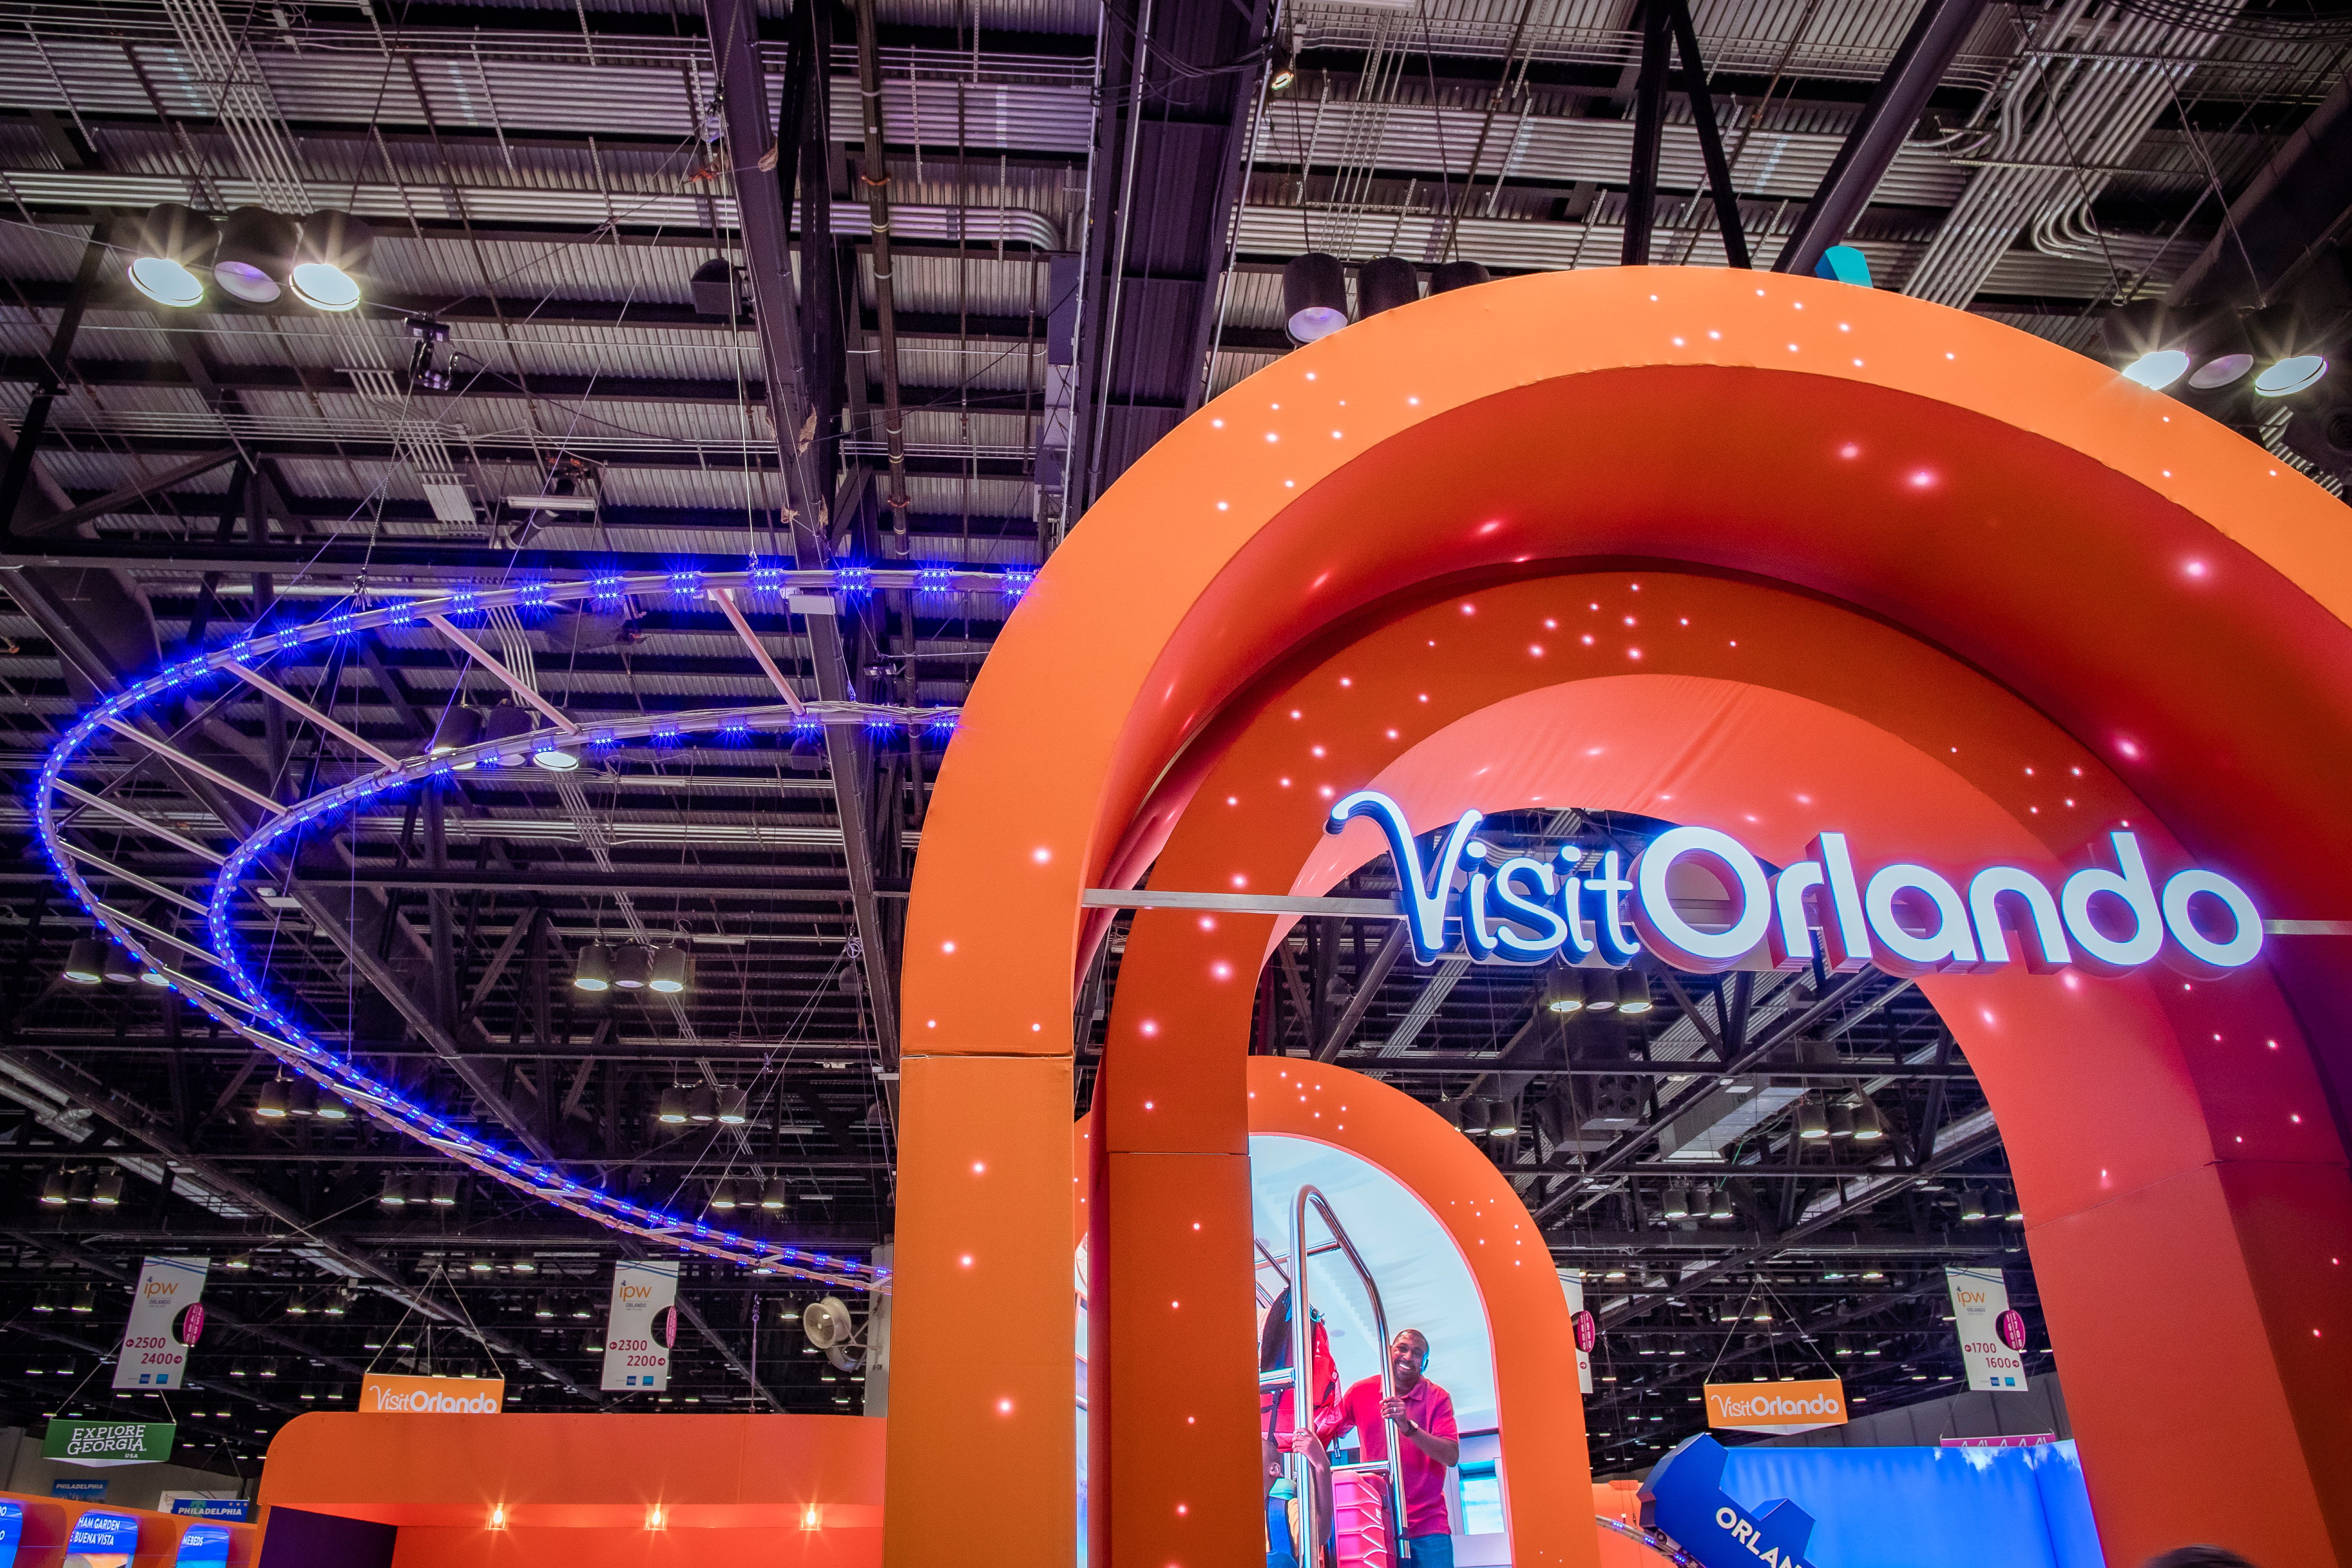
[(592, 1490)]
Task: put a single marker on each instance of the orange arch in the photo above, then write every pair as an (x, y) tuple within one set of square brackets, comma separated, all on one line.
[(1461, 703), (2147, 581)]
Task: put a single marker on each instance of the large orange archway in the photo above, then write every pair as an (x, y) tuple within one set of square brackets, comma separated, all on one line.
[(1769, 716), (2151, 584)]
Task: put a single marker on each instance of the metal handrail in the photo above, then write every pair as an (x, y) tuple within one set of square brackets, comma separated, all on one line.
[(1302, 1361)]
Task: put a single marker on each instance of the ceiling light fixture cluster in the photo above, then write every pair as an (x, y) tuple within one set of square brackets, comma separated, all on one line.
[(1315, 289), (253, 256)]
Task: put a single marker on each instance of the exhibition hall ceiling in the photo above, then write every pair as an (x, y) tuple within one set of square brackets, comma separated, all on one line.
[(634, 309)]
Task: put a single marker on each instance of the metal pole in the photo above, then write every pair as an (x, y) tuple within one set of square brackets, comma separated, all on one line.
[(1302, 1342)]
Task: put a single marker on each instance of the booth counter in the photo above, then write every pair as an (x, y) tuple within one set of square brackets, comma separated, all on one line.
[(352, 1490)]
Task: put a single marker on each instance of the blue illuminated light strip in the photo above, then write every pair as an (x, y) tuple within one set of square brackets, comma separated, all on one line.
[(292, 1046)]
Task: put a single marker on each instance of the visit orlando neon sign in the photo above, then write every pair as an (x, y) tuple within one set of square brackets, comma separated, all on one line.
[(1906, 918)]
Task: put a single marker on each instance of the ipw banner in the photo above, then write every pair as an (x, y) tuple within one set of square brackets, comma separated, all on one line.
[(1581, 1325), (642, 1328), (1992, 1337), (167, 1318)]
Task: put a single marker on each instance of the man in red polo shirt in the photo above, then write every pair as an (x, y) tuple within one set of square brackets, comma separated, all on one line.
[(1423, 1414)]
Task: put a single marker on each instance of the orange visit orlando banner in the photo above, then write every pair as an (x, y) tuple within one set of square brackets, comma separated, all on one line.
[(1790, 1406)]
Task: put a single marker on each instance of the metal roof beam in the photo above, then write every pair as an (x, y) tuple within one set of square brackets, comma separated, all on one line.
[(1894, 106), (759, 201)]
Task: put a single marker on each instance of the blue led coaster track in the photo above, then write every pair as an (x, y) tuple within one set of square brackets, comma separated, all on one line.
[(246, 1007)]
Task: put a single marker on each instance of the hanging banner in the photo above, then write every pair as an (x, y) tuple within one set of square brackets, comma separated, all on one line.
[(1790, 1406), (167, 1318), (1992, 1337), (97, 1444), (382, 1393), (1582, 1324), (642, 1328)]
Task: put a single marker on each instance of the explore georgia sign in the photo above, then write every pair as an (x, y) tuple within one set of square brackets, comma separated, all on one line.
[(1906, 918)]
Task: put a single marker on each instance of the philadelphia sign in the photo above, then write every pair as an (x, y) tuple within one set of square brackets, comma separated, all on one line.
[(1906, 918)]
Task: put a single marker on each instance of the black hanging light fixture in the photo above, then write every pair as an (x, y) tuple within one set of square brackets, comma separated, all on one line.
[(171, 248), (255, 250), (1314, 296), (330, 260)]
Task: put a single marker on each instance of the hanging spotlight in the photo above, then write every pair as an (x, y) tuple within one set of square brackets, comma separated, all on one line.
[(331, 259), (332, 1108), (1448, 276), (594, 970), (85, 962), (250, 261), (545, 1309), (54, 1188), (172, 245), (1286, 76), (1563, 990), (723, 1196), (631, 968), (445, 1190), (297, 1306), (461, 727), (525, 1266), (240, 1262), (2224, 352), (1502, 1118), (108, 1193), (1972, 1205), (580, 1308), (120, 968), (702, 1104), (734, 1108), (1869, 1127), (671, 1111), (271, 1106), (665, 970), (509, 729), (1811, 1123), (1841, 1120), (547, 752), (2141, 341), (1633, 992), (149, 974), (302, 1097), (1719, 1207), (2013, 1211), (47, 1301), (1314, 296), (1676, 1203), (775, 1195), (1385, 282), (2291, 356), (85, 1301), (1600, 990), (480, 1265)]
